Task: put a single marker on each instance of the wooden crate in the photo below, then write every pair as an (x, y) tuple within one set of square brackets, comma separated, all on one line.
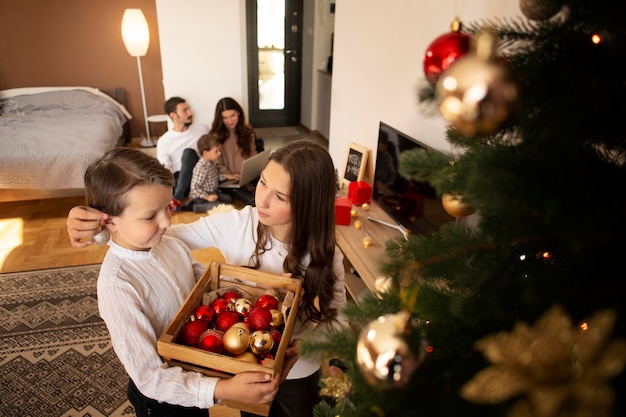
[(255, 283)]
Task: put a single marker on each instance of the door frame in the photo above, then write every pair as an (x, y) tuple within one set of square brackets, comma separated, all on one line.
[(290, 115)]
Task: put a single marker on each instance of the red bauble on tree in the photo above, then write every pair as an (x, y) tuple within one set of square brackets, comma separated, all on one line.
[(444, 51)]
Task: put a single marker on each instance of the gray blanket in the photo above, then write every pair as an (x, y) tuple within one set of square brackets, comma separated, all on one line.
[(48, 139)]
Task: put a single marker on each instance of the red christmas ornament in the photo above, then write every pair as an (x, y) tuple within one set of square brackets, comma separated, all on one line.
[(191, 331), (267, 301), (231, 296), (211, 340), (276, 335), (258, 318), (203, 313), (225, 320), (444, 51), (219, 305)]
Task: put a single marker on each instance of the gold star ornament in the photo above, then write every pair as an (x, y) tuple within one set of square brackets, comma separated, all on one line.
[(554, 367)]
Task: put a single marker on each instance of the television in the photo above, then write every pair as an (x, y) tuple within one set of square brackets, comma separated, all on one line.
[(411, 203)]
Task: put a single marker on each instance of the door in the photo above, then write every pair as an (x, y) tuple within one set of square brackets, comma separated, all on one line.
[(274, 62)]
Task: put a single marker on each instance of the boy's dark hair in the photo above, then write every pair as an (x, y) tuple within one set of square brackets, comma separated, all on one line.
[(119, 170), (207, 142), (171, 103)]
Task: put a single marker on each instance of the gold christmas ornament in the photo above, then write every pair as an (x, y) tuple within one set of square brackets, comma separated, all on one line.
[(383, 355), (261, 342), (358, 224), (353, 213), (247, 356), (383, 284), (338, 387), (278, 319), (454, 205), (476, 93), (540, 9), (562, 369), (242, 306), (367, 242), (236, 340), (365, 206)]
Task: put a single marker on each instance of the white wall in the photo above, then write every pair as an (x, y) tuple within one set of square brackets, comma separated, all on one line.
[(377, 68), (203, 52), (377, 63)]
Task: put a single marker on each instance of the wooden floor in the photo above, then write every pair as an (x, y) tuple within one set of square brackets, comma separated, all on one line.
[(33, 236)]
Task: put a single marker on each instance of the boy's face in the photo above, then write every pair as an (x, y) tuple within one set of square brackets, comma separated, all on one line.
[(213, 154), (145, 219)]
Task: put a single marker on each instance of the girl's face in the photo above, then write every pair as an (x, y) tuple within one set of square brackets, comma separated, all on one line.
[(272, 200), (144, 220), (230, 118)]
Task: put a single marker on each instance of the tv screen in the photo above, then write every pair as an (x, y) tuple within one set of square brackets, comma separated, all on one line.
[(411, 203)]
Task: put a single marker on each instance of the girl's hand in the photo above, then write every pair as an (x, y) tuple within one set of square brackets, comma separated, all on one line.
[(82, 223)]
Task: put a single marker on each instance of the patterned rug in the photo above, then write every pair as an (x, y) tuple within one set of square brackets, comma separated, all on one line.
[(56, 358)]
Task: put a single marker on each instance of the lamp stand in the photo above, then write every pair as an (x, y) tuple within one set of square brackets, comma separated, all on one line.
[(143, 99)]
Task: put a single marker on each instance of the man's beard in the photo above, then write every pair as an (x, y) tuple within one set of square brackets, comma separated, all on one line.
[(188, 123)]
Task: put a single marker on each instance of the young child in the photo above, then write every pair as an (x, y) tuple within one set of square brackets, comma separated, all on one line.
[(144, 279), (205, 193), (291, 230)]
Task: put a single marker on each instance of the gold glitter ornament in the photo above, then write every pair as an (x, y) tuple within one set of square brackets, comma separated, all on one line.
[(367, 242), (358, 224), (563, 369), (337, 387)]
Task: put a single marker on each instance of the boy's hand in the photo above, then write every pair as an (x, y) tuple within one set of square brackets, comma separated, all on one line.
[(82, 223)]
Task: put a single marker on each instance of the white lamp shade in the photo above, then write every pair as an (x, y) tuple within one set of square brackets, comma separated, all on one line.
[(135, 32)]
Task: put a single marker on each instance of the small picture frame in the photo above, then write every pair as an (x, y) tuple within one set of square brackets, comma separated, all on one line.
[(356, 161)]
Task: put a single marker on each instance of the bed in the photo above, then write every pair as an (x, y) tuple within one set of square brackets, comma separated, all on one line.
[(48, 136)]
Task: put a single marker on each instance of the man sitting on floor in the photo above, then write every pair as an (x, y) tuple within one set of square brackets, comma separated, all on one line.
[(177, 148)]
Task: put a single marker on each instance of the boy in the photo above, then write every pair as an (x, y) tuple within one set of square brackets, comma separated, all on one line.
[(205, 193), (145, 277)]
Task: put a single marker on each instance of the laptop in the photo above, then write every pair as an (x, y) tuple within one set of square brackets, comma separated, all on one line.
[(250, 170)]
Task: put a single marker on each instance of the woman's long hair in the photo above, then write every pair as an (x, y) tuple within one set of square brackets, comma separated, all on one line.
[(312, 231), (245, 132)]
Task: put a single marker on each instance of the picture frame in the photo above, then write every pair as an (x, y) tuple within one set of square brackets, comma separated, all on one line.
[(357, 159)]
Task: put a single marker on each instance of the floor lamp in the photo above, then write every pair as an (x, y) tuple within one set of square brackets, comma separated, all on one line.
[(136, 36)]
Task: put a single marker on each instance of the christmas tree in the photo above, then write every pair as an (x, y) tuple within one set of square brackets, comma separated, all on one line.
[(522, 313)]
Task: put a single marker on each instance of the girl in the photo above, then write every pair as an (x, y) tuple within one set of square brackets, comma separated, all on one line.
[(144, 279), (290, 231)]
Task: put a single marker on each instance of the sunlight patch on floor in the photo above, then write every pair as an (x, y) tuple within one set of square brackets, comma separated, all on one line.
[(12, 232)]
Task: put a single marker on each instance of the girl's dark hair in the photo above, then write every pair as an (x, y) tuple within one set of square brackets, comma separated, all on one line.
[(110, 177), (312, 232), (245, 132)]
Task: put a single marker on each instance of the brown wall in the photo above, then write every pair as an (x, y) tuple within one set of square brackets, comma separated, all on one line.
[(79, 42)]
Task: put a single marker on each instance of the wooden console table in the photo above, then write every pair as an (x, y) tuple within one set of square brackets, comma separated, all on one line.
[(365, 261)]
